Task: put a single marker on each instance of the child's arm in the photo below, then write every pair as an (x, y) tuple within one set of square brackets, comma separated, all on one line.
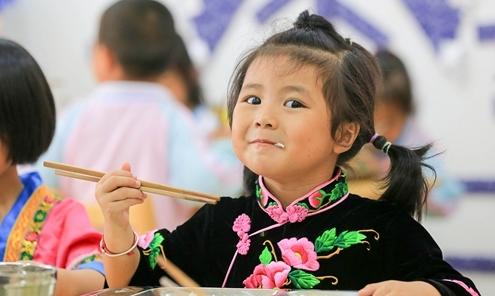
[(399, 288), (77, 282), (116, 192)]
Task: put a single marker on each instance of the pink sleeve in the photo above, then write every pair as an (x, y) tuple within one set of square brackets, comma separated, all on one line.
[(67, 237)]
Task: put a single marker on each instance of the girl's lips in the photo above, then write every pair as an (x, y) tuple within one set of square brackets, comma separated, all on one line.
[(262, 141)]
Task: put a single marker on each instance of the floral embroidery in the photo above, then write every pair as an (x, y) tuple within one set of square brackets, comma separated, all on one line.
[(268, 276), (145, 239), (242, 225), (32, 236), (243, 244), (152, 242), (88, 259), (262, 197), (322, 197), (292, 214), (299, 255)]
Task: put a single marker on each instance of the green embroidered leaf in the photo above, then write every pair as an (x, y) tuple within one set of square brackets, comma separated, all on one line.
[(339, 191), (272, 203), (258, 191), (265, 257), (153, 255), (156, 241), (302, 205), (303, 280), (326, 241), (349, 238)]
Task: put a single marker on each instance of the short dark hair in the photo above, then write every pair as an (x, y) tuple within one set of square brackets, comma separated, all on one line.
[(27, 108), (396, 82), (141, 36)]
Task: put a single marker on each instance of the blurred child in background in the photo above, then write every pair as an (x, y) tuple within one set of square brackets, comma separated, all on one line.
[(135, 115), (395, 119)]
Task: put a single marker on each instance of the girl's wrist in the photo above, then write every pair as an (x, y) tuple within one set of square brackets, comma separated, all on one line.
[(115, 240), (106, 251)]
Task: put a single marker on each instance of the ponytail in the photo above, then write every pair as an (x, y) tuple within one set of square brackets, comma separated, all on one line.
[(406, 185)]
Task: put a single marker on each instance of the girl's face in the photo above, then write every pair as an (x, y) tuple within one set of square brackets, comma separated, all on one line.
[(282, 104)]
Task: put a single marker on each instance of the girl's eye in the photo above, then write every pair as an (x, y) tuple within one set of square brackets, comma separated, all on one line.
[(254, 100), (293, 104)]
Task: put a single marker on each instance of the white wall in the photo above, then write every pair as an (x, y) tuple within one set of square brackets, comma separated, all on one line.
[(454, 87)]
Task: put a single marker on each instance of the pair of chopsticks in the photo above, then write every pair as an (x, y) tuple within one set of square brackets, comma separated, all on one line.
[(146, 186)]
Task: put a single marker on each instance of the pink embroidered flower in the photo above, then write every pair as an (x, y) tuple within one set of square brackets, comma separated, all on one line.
[(299, 253), (315, 199), (50, 199), (277, 214), (242, 223), (145, 239), (273, 275), (32, 236), (296, 213), (243, 244)]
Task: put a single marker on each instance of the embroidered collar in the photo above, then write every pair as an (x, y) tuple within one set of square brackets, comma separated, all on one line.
[(321, 198)]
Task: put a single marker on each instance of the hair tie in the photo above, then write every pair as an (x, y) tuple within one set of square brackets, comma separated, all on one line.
[(380, 142), (386, 147), (373, 138)]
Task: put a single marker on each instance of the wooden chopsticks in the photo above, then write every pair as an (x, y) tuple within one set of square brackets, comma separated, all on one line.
[(146, 186)]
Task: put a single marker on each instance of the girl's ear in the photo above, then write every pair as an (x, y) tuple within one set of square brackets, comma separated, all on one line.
[(345, 137)]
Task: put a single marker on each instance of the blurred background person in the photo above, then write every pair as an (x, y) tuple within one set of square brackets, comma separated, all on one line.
[(395, 119), (135, 115)]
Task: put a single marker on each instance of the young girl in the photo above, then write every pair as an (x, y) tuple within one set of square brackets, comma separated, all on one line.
[(301, 106), (36, 224)]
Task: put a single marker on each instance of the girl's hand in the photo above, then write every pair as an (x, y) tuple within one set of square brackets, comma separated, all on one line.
[(116, 192), (398, 288)]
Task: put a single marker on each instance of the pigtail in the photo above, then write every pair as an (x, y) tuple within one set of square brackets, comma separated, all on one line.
[(406, 185)]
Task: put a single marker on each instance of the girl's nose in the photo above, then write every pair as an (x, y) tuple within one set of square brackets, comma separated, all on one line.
[(266, 119)]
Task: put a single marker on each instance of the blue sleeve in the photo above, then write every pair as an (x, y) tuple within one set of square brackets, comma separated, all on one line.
[(95, 265)]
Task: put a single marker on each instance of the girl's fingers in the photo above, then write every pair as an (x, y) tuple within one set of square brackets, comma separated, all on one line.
[(115, 181), (126, 166), (122, 173)]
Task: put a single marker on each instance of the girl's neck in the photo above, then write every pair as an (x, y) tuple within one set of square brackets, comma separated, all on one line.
[(10, 188)]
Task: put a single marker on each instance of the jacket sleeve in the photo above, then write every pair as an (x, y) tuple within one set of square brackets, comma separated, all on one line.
[(67, 238)]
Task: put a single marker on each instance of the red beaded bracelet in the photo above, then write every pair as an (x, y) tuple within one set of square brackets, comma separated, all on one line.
[(106, 251)]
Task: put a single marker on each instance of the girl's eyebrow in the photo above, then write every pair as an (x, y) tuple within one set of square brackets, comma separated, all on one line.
[(295, 88), (252, 86)]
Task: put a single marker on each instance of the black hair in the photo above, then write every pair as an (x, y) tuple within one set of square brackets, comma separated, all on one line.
[(186, 69), (141, 35), (27, 108), (350, 76), (396, 87)]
